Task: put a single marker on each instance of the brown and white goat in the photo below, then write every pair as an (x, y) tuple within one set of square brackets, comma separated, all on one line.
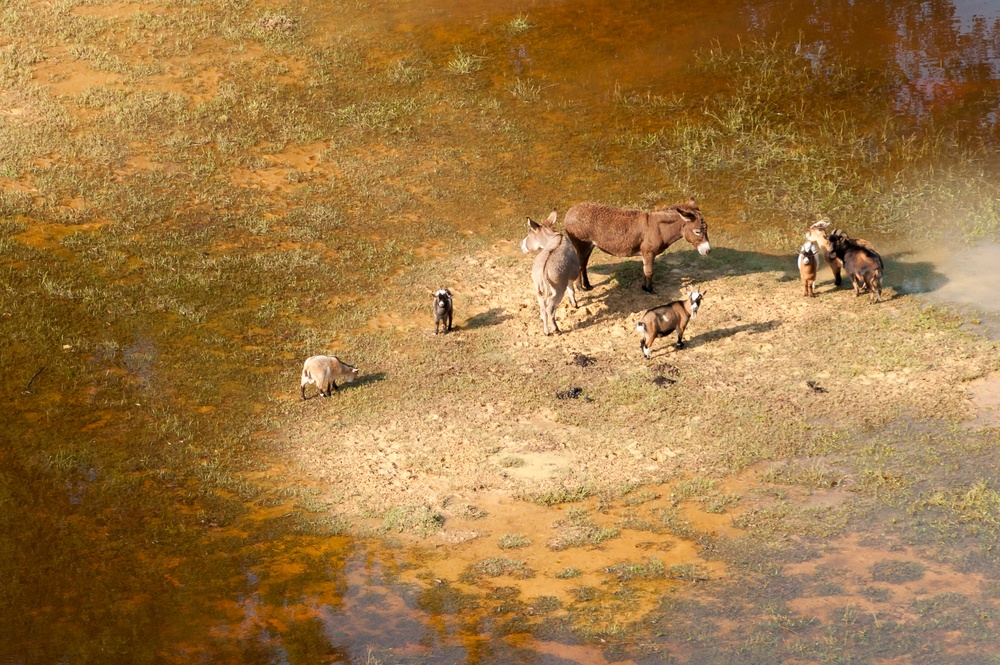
[(821, 234), (808, 263), (663, 320)]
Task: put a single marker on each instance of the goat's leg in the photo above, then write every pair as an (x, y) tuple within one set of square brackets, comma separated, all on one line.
[(835, 265), (875, 290)]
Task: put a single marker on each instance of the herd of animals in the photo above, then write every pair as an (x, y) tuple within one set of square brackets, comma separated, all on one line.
[(560, 268)]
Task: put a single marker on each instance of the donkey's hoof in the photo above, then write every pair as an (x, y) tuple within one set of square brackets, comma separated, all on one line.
[(648, 289), (679, 345)]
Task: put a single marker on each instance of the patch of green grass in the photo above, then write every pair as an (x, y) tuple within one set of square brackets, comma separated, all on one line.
[(651, 569), (687, 572), (816, 474), (560, 495), (578, 530), (419, 519), (978, 504), (497, 567), (510, 541), (519, 24), (585, 594), (463, 63), (568, 573), (525, 91), (897, 572)]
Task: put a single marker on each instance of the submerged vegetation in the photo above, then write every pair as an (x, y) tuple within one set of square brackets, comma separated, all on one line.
[(196, 196), (807, 136)]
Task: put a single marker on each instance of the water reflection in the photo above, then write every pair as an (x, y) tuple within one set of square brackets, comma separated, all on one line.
[(945, 53)]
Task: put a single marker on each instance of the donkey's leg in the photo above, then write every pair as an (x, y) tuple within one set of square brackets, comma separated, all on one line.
[(583, 251), (647, 272), (542, 311), (557, 296), (572, 294)]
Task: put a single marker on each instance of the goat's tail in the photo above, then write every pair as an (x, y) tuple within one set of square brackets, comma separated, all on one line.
[(641, 327)]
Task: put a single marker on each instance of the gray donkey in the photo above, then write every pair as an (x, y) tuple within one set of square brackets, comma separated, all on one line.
[(555, 269)]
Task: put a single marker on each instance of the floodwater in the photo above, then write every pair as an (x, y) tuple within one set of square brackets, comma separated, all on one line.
[(150, 569)]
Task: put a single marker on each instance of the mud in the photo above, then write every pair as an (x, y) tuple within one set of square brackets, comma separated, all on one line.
[(855, 567)]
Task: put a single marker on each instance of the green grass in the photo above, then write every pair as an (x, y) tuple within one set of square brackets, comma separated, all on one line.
[(497, 567), (579, 530), (511, 541)]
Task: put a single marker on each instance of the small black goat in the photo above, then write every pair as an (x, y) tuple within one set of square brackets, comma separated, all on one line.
[(861, 263), (443, 310)]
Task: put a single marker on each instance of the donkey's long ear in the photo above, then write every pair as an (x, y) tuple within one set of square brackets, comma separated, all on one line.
[(686, 214), (533, 224), (550, 221)]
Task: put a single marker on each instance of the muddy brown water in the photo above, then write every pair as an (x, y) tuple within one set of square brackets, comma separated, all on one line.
[(176, 581)]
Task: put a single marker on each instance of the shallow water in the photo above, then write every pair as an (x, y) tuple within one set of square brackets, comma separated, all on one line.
[(115, 550)]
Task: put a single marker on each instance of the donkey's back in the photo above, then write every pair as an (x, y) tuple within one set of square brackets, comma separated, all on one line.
[(554, 270)]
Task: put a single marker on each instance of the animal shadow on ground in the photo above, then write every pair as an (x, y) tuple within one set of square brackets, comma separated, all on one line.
[(710, 337), (722, 333), (362, 379), (625, 296), (365, 379), (490, 317), (911, 276)]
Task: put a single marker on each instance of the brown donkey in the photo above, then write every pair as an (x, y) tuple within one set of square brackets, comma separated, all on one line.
[(629, 232), (555, 269)]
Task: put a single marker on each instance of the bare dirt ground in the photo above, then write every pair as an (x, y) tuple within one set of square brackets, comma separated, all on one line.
[(767, 374)]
